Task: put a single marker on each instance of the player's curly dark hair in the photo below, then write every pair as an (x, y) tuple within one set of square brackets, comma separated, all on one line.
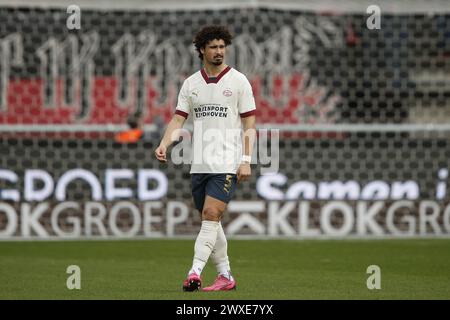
[(208, 33)]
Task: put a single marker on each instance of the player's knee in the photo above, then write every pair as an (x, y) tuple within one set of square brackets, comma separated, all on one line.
[(211, 214)]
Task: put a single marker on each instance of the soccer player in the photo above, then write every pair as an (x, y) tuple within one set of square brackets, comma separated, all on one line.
[(220, 100)]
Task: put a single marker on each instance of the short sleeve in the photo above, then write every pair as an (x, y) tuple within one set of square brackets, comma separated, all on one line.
[(246, 104), (183, 105)]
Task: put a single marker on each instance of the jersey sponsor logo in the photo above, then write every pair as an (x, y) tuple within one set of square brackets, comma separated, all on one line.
[(227, 93), (211, 110)]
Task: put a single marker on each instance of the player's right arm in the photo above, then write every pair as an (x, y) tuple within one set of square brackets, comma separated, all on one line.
[(170, 135), (174, 126)]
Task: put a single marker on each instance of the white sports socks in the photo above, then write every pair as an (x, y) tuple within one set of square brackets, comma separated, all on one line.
[(219, 256), (204, 245)]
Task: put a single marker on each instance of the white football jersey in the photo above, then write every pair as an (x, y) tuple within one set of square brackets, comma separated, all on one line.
[(217, 106)]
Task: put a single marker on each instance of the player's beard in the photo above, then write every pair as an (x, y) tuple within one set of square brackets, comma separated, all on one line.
[(217, 61)]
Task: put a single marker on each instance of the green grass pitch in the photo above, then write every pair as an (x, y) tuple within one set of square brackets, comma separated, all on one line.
[(264, 269)]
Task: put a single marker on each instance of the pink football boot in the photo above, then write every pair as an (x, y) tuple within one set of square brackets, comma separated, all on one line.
[(221, 284), (192, 283)]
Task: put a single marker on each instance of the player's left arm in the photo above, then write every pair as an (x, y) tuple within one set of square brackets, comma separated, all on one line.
[(248, 138)]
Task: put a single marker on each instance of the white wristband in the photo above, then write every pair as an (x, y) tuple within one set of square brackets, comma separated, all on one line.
[(246, 158)]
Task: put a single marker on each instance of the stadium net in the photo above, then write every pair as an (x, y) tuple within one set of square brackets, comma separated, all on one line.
[(353, 104)]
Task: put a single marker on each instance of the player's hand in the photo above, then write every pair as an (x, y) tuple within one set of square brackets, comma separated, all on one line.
[(244, 172), (160, 153)]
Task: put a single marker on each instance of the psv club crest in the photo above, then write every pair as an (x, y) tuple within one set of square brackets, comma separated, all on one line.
[(227, 93)]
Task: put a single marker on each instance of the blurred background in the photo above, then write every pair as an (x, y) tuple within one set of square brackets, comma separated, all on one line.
[(363, 115)]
